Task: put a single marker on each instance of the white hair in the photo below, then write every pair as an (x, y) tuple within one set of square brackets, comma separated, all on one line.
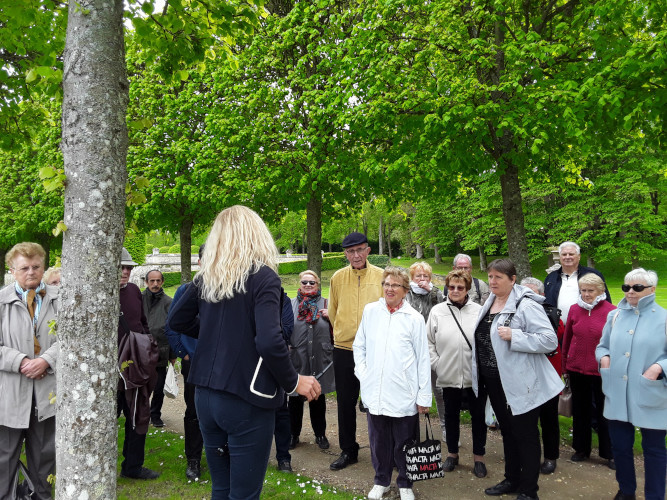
[(641, 274), (569, 244), (461, 256), (529, 280)]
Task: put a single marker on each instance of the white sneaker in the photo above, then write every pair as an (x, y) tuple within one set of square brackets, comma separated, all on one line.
[(377, 492), (407, 494)]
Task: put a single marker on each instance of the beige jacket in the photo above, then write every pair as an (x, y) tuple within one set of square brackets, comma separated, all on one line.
[(451, 357), (16, 343), (350, 291)]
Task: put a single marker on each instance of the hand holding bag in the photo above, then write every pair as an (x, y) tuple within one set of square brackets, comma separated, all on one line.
[(424, 460), (170, 383), (25, 489), (565, 400)]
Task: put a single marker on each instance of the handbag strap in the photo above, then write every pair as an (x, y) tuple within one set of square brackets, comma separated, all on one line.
[(459, 325), (428, 431)]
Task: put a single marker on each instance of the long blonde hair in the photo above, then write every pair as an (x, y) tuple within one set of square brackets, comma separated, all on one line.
[(238, 245)]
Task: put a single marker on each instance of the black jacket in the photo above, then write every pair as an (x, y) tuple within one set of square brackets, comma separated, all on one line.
[(554, 281)]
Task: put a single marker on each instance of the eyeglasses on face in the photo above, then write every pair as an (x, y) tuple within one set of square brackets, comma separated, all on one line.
[(636, 288), (460, 288), (306, 282), (25, 269), (129, 268), (356, 251), (393, 286)]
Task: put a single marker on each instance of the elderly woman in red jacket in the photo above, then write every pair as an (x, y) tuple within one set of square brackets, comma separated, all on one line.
[(582, 335)]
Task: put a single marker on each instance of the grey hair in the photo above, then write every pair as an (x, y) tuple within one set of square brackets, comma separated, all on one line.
[(569, 244), (529, 280), (460, 256), (641, 274)]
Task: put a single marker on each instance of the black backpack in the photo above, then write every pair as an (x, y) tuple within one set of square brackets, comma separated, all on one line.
[(552, 312)]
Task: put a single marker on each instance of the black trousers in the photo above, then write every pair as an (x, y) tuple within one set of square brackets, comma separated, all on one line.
[(586, 388), (194, 442), (157, 399), (347, 394), (550, 429), (452, 397), (318, 415), (521, 439), (134, 444), (281, 432)]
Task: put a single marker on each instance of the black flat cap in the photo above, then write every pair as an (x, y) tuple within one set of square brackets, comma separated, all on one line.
[(354, 239)]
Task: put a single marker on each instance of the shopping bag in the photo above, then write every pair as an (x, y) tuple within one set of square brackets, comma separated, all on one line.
[(170, 384), (565, 400), (22, 490), (424, 459)]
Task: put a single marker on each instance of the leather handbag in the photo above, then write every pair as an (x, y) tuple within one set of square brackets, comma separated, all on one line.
[(565, 400)]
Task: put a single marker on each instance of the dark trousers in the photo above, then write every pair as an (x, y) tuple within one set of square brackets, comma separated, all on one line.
[(452, 397), (521, 439), (347, 394), (587, 388), (194, 443), (318, 415), (237, 438), (655, 459), (387, 436), (282, 433), (550, 429), (158, 393), (40, 450), (134, 444)]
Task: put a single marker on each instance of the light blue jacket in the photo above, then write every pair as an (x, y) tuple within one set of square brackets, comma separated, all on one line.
[(527, 377), (634, 340)]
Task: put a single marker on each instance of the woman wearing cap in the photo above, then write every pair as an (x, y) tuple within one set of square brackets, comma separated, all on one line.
[(312, 354), (241, 365), (633, 362)]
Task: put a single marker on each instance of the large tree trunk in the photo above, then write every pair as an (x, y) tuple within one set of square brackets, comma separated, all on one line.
[(314, 231), (94, 145), (436, 255), (380, 237), (185, 237), (389, 239), (3, 266), (419, 251), (482, 259), (514, 222)]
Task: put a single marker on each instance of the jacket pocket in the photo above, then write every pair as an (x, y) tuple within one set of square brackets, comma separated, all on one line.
[(262, 383), (652, 393), (605, 375)]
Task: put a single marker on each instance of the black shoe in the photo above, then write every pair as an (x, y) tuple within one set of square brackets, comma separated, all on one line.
[(143, 473), (193, 472), (450, 464), (579, 457), (523, 496), (293, 442), (343, 461), (622, 496), (611, 464), (548, 466), (322, 442), (501, 488), (157, 422), (285, 466), (479, 469)]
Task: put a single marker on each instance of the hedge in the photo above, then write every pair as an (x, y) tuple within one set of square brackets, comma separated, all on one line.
[(328, 263), (173, 279), (136, 244)]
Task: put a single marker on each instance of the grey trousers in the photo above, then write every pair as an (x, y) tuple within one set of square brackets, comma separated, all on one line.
[(40, 444)]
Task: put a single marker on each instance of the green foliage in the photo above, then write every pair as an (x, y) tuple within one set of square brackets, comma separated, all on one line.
[(175, 249), (173, 279), (379, 260), (329, 262), (164, 249), (136, 245)]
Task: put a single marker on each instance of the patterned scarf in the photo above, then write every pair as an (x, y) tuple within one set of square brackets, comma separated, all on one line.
[(308, 310)]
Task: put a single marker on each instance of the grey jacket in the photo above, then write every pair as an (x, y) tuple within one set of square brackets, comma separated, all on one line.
[(424, 303), (311, 350), (527, 377), (16, 343), (156, 310)]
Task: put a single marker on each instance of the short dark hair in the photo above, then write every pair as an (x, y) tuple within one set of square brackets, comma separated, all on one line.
[(505, 266), (154, 271), (461, 275)]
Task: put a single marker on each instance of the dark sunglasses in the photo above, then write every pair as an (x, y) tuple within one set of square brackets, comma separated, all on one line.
[(456, 287), (309, 282), (636, 288)]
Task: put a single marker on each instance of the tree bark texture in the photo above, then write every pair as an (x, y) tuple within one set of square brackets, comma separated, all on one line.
[(388, 239), (94, 145), (314, 233), (380, 237), (482, 259), (436, 255), (185, 239), (419, 251), (514, 221)]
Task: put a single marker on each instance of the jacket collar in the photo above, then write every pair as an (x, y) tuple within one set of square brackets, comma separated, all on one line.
[(644, 303)]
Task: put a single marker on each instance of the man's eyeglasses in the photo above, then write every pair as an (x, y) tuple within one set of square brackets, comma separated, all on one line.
[(128, 268), (636, 288), (25, 269), (460, 288), (357, 251), (393, 286), (304, 282)]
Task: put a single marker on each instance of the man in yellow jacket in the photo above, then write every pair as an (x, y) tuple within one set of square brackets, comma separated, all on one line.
[(351, 289)]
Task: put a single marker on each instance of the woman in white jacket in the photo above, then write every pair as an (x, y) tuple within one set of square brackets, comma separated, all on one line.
[(450, 331), (392, 364)]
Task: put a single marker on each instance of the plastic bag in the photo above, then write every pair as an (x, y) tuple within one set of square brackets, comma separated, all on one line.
[(170, 384)]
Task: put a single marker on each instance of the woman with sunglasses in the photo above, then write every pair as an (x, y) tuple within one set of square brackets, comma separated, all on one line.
[(312, 354), (633, 362), (450, 330), (582, 335)]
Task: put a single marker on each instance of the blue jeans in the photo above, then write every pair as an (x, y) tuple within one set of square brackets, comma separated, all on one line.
[(237, 439), (655, 459)]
